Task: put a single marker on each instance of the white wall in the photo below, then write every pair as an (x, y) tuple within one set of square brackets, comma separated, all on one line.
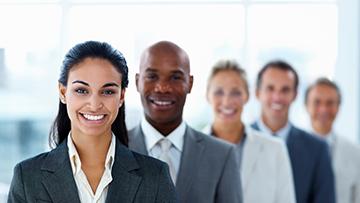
[(347, 72)]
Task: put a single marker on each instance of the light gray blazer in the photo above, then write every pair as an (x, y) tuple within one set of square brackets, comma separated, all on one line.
[(346, 164), (266, 170), (209, 169), (48, 178)]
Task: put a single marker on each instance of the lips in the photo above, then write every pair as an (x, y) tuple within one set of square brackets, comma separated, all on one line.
[(276, 106), (93, 118), (162, 103), (227, 111)]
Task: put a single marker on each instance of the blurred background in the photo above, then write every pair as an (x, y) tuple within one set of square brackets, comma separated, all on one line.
[(318, 37)]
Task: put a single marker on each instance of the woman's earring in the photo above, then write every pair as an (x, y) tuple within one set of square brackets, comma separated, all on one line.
[(62, 100)]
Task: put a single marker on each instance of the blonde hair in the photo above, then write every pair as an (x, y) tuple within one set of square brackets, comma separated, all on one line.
[(228, 65)]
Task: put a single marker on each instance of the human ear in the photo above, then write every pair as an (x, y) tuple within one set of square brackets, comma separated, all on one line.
[(190, 83), (62, 91), (137, 81), (122, 97)]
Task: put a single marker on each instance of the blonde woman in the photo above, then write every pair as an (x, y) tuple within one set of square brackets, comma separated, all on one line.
[(265, 166)]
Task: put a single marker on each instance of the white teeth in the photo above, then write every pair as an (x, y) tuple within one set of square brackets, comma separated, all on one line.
[(276, 106), (227, 111), (162, 103), (93, 117)]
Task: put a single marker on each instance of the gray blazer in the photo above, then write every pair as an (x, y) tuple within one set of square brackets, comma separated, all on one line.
[(346, 163), (48, 178), (209, 169)]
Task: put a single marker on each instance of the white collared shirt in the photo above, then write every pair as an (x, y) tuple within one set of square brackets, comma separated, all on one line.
[(85, 192), (328, 138), (282, 133), (176, 137)]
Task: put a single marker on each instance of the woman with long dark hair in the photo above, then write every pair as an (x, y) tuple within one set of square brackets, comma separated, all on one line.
[(90, 161)]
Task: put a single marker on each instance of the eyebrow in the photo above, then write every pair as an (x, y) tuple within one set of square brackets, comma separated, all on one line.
[(151, 70), (81, 82), (109, 84)]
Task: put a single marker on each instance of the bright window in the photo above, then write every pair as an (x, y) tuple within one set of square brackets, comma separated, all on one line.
[(36, 34)]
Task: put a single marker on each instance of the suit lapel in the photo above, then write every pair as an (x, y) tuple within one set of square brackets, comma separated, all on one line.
[(57, 176), (252, 149), (137, 140), (125, 184), (190, 161), (292, 143)]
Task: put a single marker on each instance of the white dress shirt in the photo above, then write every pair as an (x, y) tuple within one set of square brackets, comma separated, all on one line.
[(176, 137), (85, 192), (282, 133), (329, 138)]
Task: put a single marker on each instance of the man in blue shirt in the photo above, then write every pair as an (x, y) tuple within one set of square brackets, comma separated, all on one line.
[(276, 89)]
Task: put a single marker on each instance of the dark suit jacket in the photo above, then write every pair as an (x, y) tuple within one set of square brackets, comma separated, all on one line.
[(209, 170), (48, 178), (311, 165)]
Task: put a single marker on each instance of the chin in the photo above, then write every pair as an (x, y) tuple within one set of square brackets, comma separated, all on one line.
[(94, 132)]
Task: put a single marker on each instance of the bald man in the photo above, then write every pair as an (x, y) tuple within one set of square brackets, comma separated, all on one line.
[(322, 100), (204, 169)]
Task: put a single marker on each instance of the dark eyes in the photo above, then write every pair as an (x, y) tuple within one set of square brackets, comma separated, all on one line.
[(81, 91), (151, 76), (219, 93), (176, 77), (154, 76), (231, 94), (108, 92)]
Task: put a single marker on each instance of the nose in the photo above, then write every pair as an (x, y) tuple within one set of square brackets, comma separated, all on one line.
[(226, 99), (95, 103), (322, 109), (276, 96), (162, 87)]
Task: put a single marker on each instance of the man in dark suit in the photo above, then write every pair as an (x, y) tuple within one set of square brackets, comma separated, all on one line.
[(276, 89), (204, 169)]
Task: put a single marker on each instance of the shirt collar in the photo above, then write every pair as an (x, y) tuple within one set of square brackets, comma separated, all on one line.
[(329, 138), (152, 136), (282, 133), (75, 158)]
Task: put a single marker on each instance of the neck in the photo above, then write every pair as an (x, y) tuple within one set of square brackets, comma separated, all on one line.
[(275, 124), (92, 149), (321, 131), (233, 132), (165, 128)]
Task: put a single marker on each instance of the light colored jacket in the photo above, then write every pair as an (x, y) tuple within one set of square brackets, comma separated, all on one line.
[(265, 170), (346, 164)]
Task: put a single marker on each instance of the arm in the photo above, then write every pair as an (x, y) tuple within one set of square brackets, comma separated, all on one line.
[(166, 190), (285, 191), (324, 184), (16, 192), (229, 188), (355, 193)]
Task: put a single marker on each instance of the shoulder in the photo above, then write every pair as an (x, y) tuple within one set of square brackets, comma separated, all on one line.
[(151, 164), (32, 164), (347, 147), (134, 131), (311, 141), (209, 141), (269, 144), (257, 136)]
